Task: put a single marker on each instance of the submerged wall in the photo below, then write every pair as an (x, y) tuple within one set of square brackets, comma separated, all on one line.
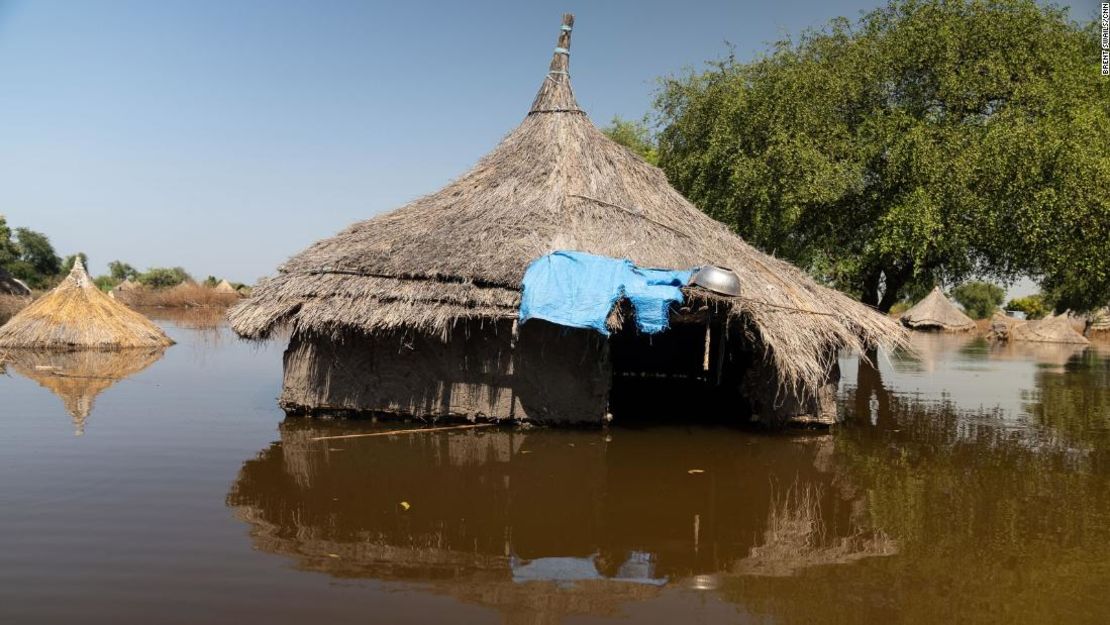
[(551, 374), (547, 374)]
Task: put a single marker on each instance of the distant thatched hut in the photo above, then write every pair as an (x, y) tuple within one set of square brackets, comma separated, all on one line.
[(415, 312), (1100, 321), (1056, 329), (936, 313), (9, 285), (77, 315), (225, 287)]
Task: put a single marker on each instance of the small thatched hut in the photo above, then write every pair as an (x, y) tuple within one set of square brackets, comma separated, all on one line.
[(77, 315), (9, 285), (1100, 321), (415, 312), (936, 313), (1057, 329), (225, 287)]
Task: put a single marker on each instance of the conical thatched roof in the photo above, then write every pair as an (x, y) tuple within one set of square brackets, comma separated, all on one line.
[(11, 286), (225, 287), (1100, 320), (77, 315), (1048, 330), (935, 312), (555, 182), (77, 377), (126, 285)]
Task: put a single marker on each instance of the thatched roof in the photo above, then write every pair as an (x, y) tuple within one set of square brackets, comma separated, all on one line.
[(555, 182), (1056, 329), (77, 377), (77, 315), (225, 287), (1100, 320), (935, 312), (127, 285), (9, 285)]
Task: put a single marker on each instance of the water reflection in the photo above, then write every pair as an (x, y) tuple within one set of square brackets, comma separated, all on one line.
[(941, 500), (546, 523), (78, 377), (998, 516)]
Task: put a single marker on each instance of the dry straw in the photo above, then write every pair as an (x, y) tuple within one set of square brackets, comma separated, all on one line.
[(555, 182), (77, 315)]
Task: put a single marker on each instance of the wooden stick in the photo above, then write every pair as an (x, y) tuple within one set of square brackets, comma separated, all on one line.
[(395, 432)]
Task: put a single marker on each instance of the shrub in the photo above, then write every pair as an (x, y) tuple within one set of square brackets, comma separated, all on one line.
[(1034, 306), (164, 277), (979, 299)]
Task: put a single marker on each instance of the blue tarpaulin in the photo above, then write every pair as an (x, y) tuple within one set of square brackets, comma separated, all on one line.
[(578, 290)]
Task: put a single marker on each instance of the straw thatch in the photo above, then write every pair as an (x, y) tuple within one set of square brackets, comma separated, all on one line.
[(77, 315), (555, 182), (127, 285), (935, 312), (10, 285), (1056, 329), (1100, 320), (225, 287), (78, 377)]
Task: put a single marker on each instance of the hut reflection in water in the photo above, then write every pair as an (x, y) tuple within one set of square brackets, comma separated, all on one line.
[(78, 377), (552, 522)]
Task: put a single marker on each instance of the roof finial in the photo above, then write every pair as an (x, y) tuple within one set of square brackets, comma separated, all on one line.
[(560, 61), (78, 273), (555, 94)]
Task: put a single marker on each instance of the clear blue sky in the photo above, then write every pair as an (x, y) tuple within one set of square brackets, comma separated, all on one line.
[(226, 135)]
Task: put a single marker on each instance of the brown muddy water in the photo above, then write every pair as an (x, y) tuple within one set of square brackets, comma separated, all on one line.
[(971, 485)]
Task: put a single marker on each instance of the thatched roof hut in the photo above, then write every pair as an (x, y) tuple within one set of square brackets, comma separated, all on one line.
[(450, 265), (127, 285), (10, 285), (77, 315), (1100, 320), (935, 313), (1057, 329), (78, 377), (225, 287)]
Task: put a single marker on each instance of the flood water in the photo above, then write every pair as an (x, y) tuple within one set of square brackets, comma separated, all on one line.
[(971, 485)]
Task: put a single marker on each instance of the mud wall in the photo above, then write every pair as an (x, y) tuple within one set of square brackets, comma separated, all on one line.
[(546, 373)]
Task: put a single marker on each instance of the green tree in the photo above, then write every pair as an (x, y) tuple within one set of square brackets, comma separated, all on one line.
[(1034, 306), (120, 271), (979, 299), (636, 136), (162, 277), (9, 250), (932, 141), (35, 250), (67, 264), (105, 283)]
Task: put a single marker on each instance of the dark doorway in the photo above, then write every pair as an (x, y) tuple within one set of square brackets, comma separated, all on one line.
[(688, 372)]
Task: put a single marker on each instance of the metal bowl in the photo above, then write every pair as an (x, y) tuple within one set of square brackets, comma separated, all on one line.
[(717, 279)]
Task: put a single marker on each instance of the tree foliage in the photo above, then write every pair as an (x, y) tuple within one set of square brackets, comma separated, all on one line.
[(120, 271), (1034, 306), (932, 141), (163, 277), (979, 299), (36, 251), (9, 250), (636, 136)]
